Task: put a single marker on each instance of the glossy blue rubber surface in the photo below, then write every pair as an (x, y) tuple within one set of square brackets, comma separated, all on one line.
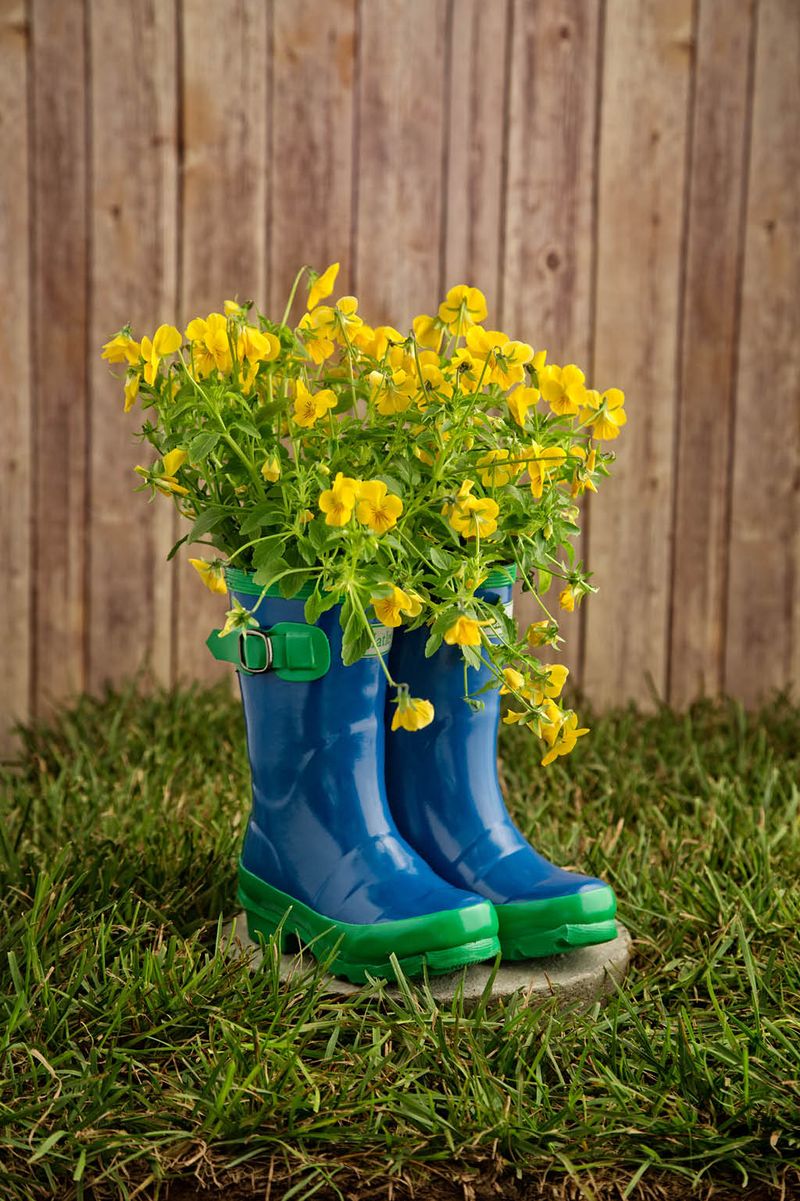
[(320, 828), (443, 787)]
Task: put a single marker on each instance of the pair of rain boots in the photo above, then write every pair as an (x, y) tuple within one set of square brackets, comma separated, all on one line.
[(364, 844)]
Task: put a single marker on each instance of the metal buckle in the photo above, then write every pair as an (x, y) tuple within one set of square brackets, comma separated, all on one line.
[(243, 636)]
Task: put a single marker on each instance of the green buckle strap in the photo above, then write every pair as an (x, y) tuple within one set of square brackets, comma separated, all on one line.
[(292, 650)]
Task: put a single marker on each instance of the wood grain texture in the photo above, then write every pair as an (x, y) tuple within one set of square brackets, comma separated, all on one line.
[(223, 223), (133, 279), (15, 460), (312, 143), (59, 282), (547, 243), (706, 368), (763, 631), (401, 131), (475, 147), (648, 45)]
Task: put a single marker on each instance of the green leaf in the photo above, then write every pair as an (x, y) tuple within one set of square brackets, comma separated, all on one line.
[(201, 447), (472, 656), (545, 580), (208, 520), (432, 645), (290, 585), (317, 604), (176, 547), (355, 636), (270, 572)]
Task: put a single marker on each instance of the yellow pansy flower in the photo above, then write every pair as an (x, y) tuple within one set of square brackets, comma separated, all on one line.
[(604, 414), (520, 400), (542, 461), (348, 320), (567, 598), (427, 331), (121, 349), (393, 392), (552, 685), (412, 712), (498, 470), (505, 360), (583, 479), (212, 574), (322, 286), (513, 681), (166, 340), (377, 507), (472, 517), (210, 348), (564, 388), (174, 460), (338, 501), (462, 307), (271, 469), (232, 308), (132, 381), (388, 609), (310, 406), (541, 633), (465, 631), (257, 346), (562, 737), (318, 330)]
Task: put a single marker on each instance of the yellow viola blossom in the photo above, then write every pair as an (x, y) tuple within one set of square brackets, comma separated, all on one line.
[(427, 331), (393, 392), (505, 360), (174, 460), (166, 340), (542, 462), (474, 518), (377, 507), (434, 385), (210, 347), (567, 598), (561, 737), (466, 371), (257, 346), (498, 470), (338, 501), (465, 631), (389, 609), (318, 330), (553, 684), (232, 308), (564, 388), (585, 467), (412, 712), (132, 381), (462, 307), (121, 349), (212, 575), (541, 633), (520, 400), (310, 406), (347, 319), (271, 469), (322, 285), (604, 414), (513, 681)]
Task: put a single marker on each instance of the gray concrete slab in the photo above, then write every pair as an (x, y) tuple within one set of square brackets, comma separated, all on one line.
[(578, 977)]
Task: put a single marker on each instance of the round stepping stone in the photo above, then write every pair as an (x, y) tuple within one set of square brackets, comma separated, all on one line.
[(581, 976)]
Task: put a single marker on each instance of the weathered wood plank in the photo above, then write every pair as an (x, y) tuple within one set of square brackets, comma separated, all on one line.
[(763, 631), (401, 131), (646, 75), (476, 139), (224, 220), (60, 250), (312, 142), (15, 463), (547, 243), (133, 279), (706, 367)]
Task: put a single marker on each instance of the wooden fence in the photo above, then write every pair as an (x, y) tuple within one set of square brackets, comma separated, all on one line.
[(619, 176)]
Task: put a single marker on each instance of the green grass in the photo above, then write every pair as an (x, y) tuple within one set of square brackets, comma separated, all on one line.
[(132, 1050)]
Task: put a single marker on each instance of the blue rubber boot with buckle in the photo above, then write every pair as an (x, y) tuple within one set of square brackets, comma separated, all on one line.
[(445, 796), (322, 858)]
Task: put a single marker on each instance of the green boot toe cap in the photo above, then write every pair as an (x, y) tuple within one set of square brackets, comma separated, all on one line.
[(535, 929)]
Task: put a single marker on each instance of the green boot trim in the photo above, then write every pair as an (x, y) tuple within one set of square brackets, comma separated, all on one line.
[(535, 929), (440, 942)]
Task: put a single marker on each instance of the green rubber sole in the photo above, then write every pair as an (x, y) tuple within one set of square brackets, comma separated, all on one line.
[(536, 929), (436, 942)]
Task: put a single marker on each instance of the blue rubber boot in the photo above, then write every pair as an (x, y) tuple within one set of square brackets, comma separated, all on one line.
[(445, 796), (322, 854)]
